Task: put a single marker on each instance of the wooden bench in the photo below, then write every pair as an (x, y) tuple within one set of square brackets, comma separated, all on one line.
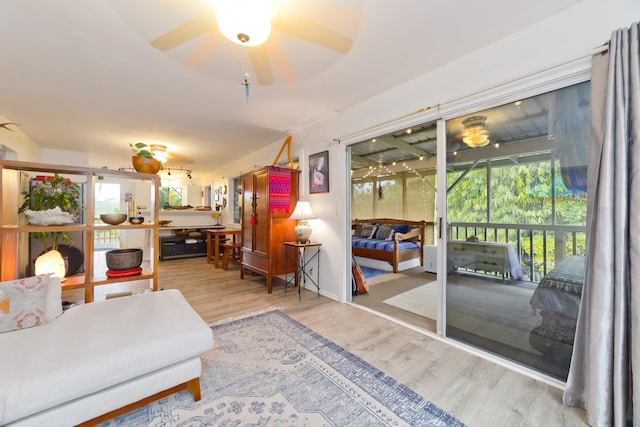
[(230, 250)]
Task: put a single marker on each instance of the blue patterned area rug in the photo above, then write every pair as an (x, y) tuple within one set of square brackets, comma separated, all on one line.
[(269, 370)]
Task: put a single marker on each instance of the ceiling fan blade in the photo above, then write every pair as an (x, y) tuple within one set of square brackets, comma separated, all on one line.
[(281, 63), (261, 65), (185, 32), (203, 49), (178, 160), (311, 31)]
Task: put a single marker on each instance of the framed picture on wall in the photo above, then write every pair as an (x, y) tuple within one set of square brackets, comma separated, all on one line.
[(319, 172)]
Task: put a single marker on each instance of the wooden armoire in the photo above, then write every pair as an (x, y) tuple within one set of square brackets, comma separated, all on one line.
[(269, 196)]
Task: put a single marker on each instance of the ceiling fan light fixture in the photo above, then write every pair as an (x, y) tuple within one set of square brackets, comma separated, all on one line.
[(159, 152), (245, 22), (475, 133)]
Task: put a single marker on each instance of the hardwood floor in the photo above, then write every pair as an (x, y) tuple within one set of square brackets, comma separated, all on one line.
[(475, 390)]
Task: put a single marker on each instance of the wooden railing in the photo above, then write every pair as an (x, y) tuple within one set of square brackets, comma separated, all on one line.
[(105, 237)]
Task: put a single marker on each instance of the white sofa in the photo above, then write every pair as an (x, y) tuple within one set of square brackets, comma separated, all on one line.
[(98, 360)]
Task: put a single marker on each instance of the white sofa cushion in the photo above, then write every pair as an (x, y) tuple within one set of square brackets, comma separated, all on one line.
[(53, 302), (95, 346)]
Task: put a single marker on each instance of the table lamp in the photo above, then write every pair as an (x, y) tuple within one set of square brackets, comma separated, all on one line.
[(302, 213)]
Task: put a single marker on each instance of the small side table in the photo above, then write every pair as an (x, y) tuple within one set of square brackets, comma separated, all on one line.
[(295, 252)]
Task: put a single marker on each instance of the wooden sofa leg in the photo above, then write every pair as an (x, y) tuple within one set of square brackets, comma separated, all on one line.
[(194, 387)]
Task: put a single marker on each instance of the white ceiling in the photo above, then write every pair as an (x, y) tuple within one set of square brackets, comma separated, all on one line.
[(82, 76)]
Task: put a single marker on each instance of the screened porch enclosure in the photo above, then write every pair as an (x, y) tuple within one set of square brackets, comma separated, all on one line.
[(515, 225)]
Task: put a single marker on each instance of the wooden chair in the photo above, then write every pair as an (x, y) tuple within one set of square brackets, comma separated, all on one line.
[(231, 249)]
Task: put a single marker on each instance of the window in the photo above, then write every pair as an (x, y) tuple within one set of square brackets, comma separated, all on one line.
[(170, 196)]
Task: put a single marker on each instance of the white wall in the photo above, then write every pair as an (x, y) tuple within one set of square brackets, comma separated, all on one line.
[(21, 147), (570, 34), (65, 157)]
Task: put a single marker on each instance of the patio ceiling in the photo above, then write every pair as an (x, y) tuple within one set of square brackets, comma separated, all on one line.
[(518, 130)]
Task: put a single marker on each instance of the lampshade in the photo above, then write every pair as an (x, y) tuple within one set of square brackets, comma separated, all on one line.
[(159, 151), (302, 213), (51, 262), (245, 22)]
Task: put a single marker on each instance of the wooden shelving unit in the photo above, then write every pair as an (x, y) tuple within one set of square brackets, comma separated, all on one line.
[(14, 231)]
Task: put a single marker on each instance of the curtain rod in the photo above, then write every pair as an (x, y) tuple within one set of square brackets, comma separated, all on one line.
[(603, 49)]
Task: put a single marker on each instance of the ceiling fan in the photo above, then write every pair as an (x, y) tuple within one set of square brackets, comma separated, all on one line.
[(301, 20)]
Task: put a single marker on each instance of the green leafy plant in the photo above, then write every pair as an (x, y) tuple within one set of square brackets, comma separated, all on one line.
[(142, 149), (55, 192)]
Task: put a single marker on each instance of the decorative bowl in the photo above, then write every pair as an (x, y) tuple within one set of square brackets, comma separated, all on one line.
[(146, 165), (136, 219), (113, 219), (124, 259), (181, 232)]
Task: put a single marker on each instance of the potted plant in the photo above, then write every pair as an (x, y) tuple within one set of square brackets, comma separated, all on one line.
[(57, 201), (143, 159)]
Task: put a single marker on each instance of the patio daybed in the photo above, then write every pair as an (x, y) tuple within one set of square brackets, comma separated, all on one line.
[(476, 255), (390, 240), (558, 298)]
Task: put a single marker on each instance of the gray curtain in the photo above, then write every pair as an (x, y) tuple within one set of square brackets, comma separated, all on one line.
[(605, 367)]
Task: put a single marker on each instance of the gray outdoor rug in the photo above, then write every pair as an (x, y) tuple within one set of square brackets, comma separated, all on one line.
[(496, 311), (269, 370)]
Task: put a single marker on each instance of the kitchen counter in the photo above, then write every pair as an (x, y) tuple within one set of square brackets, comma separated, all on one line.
[(189, 218)]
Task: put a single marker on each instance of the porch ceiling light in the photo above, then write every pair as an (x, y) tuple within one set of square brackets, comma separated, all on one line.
[(475, 133)]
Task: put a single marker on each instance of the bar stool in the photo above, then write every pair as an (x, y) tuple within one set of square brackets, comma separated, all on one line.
[(231, 249)]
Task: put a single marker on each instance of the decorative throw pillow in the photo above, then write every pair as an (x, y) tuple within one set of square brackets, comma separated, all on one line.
[(384, 232), (401, 228), (368, 231), (357, 231), (22, 303)]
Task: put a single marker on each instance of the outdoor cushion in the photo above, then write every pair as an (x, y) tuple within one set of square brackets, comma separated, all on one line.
[(383, 245), (384, 232), (368, 231)]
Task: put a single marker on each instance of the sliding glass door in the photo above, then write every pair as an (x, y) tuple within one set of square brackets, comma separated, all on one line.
[(393, 186), (516, 214)]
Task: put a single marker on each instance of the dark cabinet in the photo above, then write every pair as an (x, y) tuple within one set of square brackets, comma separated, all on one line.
[(269, 196), (182, 247)]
